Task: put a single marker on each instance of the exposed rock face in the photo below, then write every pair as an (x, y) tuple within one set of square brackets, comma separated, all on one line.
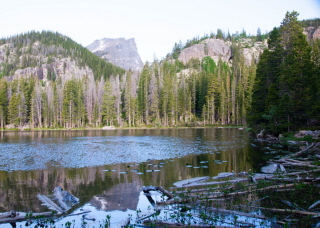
[(216, 48), (120, 52), (312, 32), (253, 53), (62, 68), (210, 47), (316, 34), (65, 68)]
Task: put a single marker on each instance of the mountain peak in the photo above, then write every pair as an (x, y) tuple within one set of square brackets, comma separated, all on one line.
[(119, 51)]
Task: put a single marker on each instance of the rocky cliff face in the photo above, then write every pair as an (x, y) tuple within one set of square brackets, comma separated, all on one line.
[(61, 68), (211, 47), (219, 49), (312, 32), (120, 52)]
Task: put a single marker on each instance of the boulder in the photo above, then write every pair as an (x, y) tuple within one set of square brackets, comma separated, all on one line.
[(108, 128), (9, 126)]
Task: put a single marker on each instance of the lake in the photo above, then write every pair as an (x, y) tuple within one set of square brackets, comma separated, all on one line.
[(106, 169)]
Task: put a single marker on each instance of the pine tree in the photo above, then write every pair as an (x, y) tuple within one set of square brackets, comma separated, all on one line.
[(3, 103), (283, 92), (108, 108), (259, 36), (70, 104), (143, 93)]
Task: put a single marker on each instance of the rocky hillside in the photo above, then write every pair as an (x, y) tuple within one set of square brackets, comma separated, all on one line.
[(220, 49), (50, 56), (120, 52)]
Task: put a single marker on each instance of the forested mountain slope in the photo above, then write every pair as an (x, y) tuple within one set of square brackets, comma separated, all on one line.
[(49, 81), (44, 78), (40, 53)]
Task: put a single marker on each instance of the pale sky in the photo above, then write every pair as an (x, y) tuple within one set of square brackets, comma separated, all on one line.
[(155, 25)]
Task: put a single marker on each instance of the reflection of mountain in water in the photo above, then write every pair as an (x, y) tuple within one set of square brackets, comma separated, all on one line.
[(112, 190), (120, 197)]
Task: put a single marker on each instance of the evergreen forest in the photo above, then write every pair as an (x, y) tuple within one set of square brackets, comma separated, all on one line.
[(287, 84), (278, 93)]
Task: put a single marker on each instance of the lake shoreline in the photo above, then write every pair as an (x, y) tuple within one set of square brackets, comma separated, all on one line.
[(124, 128)]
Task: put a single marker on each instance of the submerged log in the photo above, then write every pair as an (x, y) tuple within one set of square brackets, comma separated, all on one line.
[(21, 216), (288, 211), (183, 183), (225, 211), (10, 214)]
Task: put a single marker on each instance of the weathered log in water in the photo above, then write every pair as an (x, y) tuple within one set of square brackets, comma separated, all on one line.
[(159, 223), (289, 211), (190, 181), (21, 216), (249, 215)]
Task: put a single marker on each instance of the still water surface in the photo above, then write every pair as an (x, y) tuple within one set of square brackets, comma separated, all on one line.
[(107, 169)]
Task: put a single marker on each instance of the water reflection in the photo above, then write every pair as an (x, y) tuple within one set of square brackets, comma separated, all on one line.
[(37, 162)]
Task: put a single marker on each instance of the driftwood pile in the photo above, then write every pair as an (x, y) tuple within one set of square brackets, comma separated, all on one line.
[(289, 196)]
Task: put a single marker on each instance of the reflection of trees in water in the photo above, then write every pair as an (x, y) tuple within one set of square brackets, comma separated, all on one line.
[(18, 189)]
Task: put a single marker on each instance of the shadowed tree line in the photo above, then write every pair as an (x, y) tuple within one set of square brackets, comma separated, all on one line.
[(286, 90)]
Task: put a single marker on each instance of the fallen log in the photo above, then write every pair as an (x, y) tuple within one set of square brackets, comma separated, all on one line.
[(159, 223), (304, 150), (10, 214), (300, 164), (220, 210), (145, 216), (214, 183), (296, 161), (21, 216), (287, 211), (183, 183), (294, 179)]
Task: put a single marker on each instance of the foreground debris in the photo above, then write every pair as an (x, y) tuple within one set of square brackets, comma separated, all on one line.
[(64, 200), (288, 195)]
